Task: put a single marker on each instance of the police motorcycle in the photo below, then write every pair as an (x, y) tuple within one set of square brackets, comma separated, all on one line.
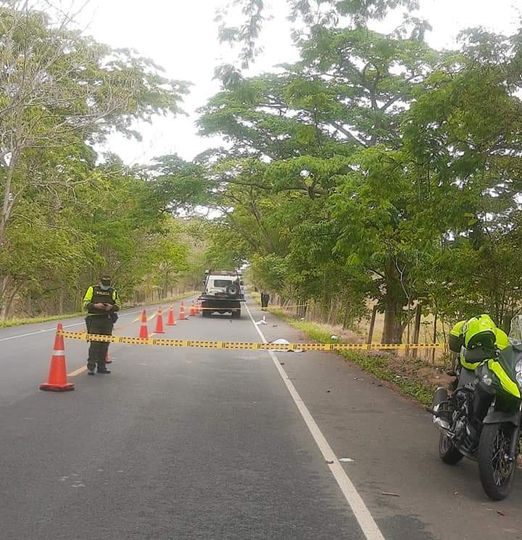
[(480, 418)]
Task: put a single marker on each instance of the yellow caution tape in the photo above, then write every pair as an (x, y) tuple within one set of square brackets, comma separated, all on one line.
[(246, 345)]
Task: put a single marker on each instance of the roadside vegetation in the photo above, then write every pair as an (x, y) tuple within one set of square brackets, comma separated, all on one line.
[(375, 172), (8, 323), (68, 212)]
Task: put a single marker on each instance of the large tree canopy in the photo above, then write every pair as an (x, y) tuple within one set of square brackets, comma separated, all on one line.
[(306, 14), (62, 215), (374, 169)]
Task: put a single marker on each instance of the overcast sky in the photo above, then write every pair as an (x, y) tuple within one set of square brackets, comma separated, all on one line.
[(181, 36)]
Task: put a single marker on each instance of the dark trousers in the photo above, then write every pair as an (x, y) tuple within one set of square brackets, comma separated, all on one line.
[(98, 324)]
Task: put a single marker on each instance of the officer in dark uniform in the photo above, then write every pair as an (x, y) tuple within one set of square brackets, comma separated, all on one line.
[(265, 297), (101, 302)]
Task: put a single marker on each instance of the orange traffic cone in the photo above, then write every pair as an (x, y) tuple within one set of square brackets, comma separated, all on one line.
[(192, 310), (159, 323), (144, 332), (57, 381), (181, 316), (170, 317)]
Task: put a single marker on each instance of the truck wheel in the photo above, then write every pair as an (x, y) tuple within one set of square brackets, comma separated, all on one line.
[(236, 314)]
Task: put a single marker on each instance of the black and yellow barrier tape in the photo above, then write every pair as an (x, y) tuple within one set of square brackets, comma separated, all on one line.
[(246, 345)]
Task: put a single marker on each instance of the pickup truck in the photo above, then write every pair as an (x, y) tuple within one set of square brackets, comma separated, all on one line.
[(222, 294)]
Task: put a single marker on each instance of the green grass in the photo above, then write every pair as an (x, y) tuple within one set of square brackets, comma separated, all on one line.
[(19, 322), (379, 365)]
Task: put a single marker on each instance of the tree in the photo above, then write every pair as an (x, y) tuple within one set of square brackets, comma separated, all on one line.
[(307, 13), (377, 167), (311, 131), (463, 133), (61, 92)]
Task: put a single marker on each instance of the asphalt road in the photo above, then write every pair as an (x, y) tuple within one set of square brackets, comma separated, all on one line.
[(216, 444)]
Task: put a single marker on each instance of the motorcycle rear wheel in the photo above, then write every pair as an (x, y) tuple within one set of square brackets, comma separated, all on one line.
[(496, 469), (448, 452)]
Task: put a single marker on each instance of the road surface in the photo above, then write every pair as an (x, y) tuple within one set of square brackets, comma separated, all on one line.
[(218, 444)]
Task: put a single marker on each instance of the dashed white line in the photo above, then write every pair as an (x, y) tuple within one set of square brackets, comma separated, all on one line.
[(360, 510), (77, 371)]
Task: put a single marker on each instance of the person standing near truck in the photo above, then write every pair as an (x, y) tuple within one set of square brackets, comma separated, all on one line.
[(101, 302), (265, 297)]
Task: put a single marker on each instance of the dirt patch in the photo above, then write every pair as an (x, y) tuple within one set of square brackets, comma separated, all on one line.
[(416, 369)]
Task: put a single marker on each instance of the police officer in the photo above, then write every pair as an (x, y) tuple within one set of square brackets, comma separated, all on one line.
[(101, 302), (265, 297)]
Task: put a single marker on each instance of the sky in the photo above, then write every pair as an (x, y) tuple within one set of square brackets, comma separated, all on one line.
[(181, 36)]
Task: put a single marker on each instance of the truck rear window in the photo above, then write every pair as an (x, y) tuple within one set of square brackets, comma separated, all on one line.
[(222, 283)]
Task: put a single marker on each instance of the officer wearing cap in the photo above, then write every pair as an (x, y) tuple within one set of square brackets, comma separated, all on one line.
[(101, 302)]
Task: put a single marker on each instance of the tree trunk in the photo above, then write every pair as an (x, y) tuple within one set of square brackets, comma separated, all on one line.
[(393, 327), (3, 294), (8, 198), (61, 302), (435, 317), (372, 324), (416, 329), (394, 301), (331, 312), (9, 299)]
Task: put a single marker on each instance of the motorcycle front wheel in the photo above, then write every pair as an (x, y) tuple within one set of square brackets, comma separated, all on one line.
[(496, 468)]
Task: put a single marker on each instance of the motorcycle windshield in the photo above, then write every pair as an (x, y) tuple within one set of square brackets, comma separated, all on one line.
[(504, 368), (515, 334)]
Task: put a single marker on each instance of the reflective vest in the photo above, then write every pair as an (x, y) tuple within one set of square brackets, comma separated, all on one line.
[(96, 295)]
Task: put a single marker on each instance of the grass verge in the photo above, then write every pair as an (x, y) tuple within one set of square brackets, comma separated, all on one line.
[(19, 322)]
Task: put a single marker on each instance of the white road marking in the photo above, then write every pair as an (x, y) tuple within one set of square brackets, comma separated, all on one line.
[(77, 372), (360, 510), (42, 331)]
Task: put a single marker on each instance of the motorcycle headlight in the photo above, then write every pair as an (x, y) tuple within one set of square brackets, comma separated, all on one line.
[(518, 372)]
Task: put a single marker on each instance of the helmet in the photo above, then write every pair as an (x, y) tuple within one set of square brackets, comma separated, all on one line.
[(456, 337), (480, 332)]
